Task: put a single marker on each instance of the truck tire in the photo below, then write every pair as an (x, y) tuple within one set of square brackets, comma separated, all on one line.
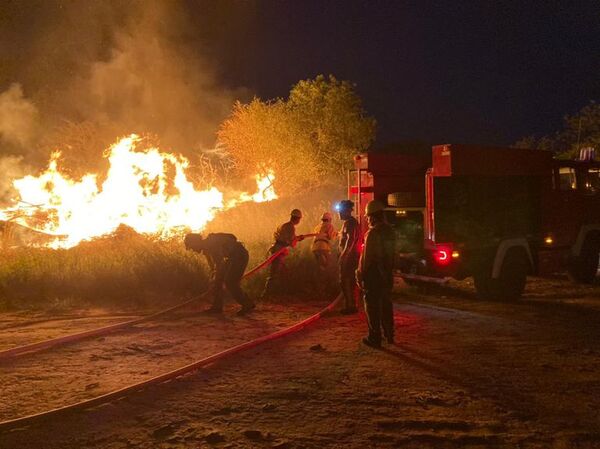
[(583, 268), (511, 283), (406, 199)]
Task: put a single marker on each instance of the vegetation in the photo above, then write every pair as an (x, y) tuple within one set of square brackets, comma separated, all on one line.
[(580, 130), (308, 139), (127, 270), (254, 225), (123, 270)]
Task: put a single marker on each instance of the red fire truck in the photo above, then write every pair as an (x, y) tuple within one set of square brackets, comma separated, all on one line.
[(497, 214)]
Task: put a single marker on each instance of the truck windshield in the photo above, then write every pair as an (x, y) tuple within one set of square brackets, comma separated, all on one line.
[(591, 181), (567, 178), (408, 225)]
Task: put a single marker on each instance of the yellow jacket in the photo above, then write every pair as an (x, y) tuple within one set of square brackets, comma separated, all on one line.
[(326, 233)]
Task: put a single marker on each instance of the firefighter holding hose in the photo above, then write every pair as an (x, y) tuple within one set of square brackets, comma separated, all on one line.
[(375, 275), (321, 246), (285, 237), (228, 260)]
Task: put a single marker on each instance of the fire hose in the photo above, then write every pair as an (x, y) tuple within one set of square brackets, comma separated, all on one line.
[(194, 366), (274, 256), (59, 341)]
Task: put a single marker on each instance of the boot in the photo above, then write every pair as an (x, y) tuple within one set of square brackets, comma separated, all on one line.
[(371, 343)]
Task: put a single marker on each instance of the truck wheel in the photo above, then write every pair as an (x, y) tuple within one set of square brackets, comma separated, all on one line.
[(511, 283), (584, 267)]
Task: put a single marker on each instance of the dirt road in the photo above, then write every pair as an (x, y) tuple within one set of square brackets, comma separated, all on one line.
[(463, 374)]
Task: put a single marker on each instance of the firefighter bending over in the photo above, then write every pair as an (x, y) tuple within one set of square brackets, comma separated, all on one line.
[(349, 253), (285, 236), (321, 246), (228, 260), (375, 275)]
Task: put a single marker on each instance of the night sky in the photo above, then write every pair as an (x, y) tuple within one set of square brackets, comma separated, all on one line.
[(472, 72), (488, 72)]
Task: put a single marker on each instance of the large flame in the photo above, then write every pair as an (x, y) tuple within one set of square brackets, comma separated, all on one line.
[(140, 191)]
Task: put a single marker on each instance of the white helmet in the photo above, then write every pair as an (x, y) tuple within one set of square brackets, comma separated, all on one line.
[(373, 207)]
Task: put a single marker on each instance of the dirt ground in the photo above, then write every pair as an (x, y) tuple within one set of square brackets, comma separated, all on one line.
[(462, 374)]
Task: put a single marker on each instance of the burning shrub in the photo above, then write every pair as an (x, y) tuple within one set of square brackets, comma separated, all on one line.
[(144, 188)]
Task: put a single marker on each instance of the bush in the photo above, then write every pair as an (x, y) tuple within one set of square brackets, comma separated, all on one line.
[(125, 271)]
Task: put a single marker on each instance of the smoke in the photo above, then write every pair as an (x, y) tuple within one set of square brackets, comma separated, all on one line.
[(11, 167), (97, 70), (18, 130), (18, 118)]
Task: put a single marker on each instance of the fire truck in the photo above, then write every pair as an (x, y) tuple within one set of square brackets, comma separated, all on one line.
[(496, 214)]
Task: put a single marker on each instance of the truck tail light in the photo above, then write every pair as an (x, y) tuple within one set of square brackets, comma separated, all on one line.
[(443, 254)]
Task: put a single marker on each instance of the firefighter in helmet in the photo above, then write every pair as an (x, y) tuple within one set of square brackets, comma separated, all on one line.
[(375, 275), (228, 260), (321, 246), (349, 253), (285, 236)]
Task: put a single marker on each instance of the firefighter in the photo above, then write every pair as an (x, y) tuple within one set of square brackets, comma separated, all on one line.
[(228, 260), (375, 275), (349, 253), (321, 246), (284, 236)]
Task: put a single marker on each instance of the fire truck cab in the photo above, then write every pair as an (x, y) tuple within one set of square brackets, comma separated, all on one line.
[(496, 214)]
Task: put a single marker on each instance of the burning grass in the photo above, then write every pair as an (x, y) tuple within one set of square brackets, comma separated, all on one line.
[(144, 188), (129, 270), (124, 270)]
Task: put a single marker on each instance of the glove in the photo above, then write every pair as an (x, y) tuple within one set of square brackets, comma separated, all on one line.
[(297, 239)]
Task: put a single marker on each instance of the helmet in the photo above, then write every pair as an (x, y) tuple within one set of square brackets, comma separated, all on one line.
[(326, 216), (345, 205), (373, 207), (296, 213)]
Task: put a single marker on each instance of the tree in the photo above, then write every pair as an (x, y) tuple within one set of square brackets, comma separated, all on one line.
[(307, 140), (263, 136), (331, 111), (580, 130)]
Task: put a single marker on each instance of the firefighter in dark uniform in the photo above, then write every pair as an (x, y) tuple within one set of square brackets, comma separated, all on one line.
[(375, 275), (284, 236), (349, 254), (228, 260)]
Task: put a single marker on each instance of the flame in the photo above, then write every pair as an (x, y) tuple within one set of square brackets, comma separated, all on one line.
[(137, 192), (265, 192)]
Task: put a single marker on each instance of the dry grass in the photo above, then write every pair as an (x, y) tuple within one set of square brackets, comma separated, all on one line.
[(127, 270), (254, 225), (124, 271)]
